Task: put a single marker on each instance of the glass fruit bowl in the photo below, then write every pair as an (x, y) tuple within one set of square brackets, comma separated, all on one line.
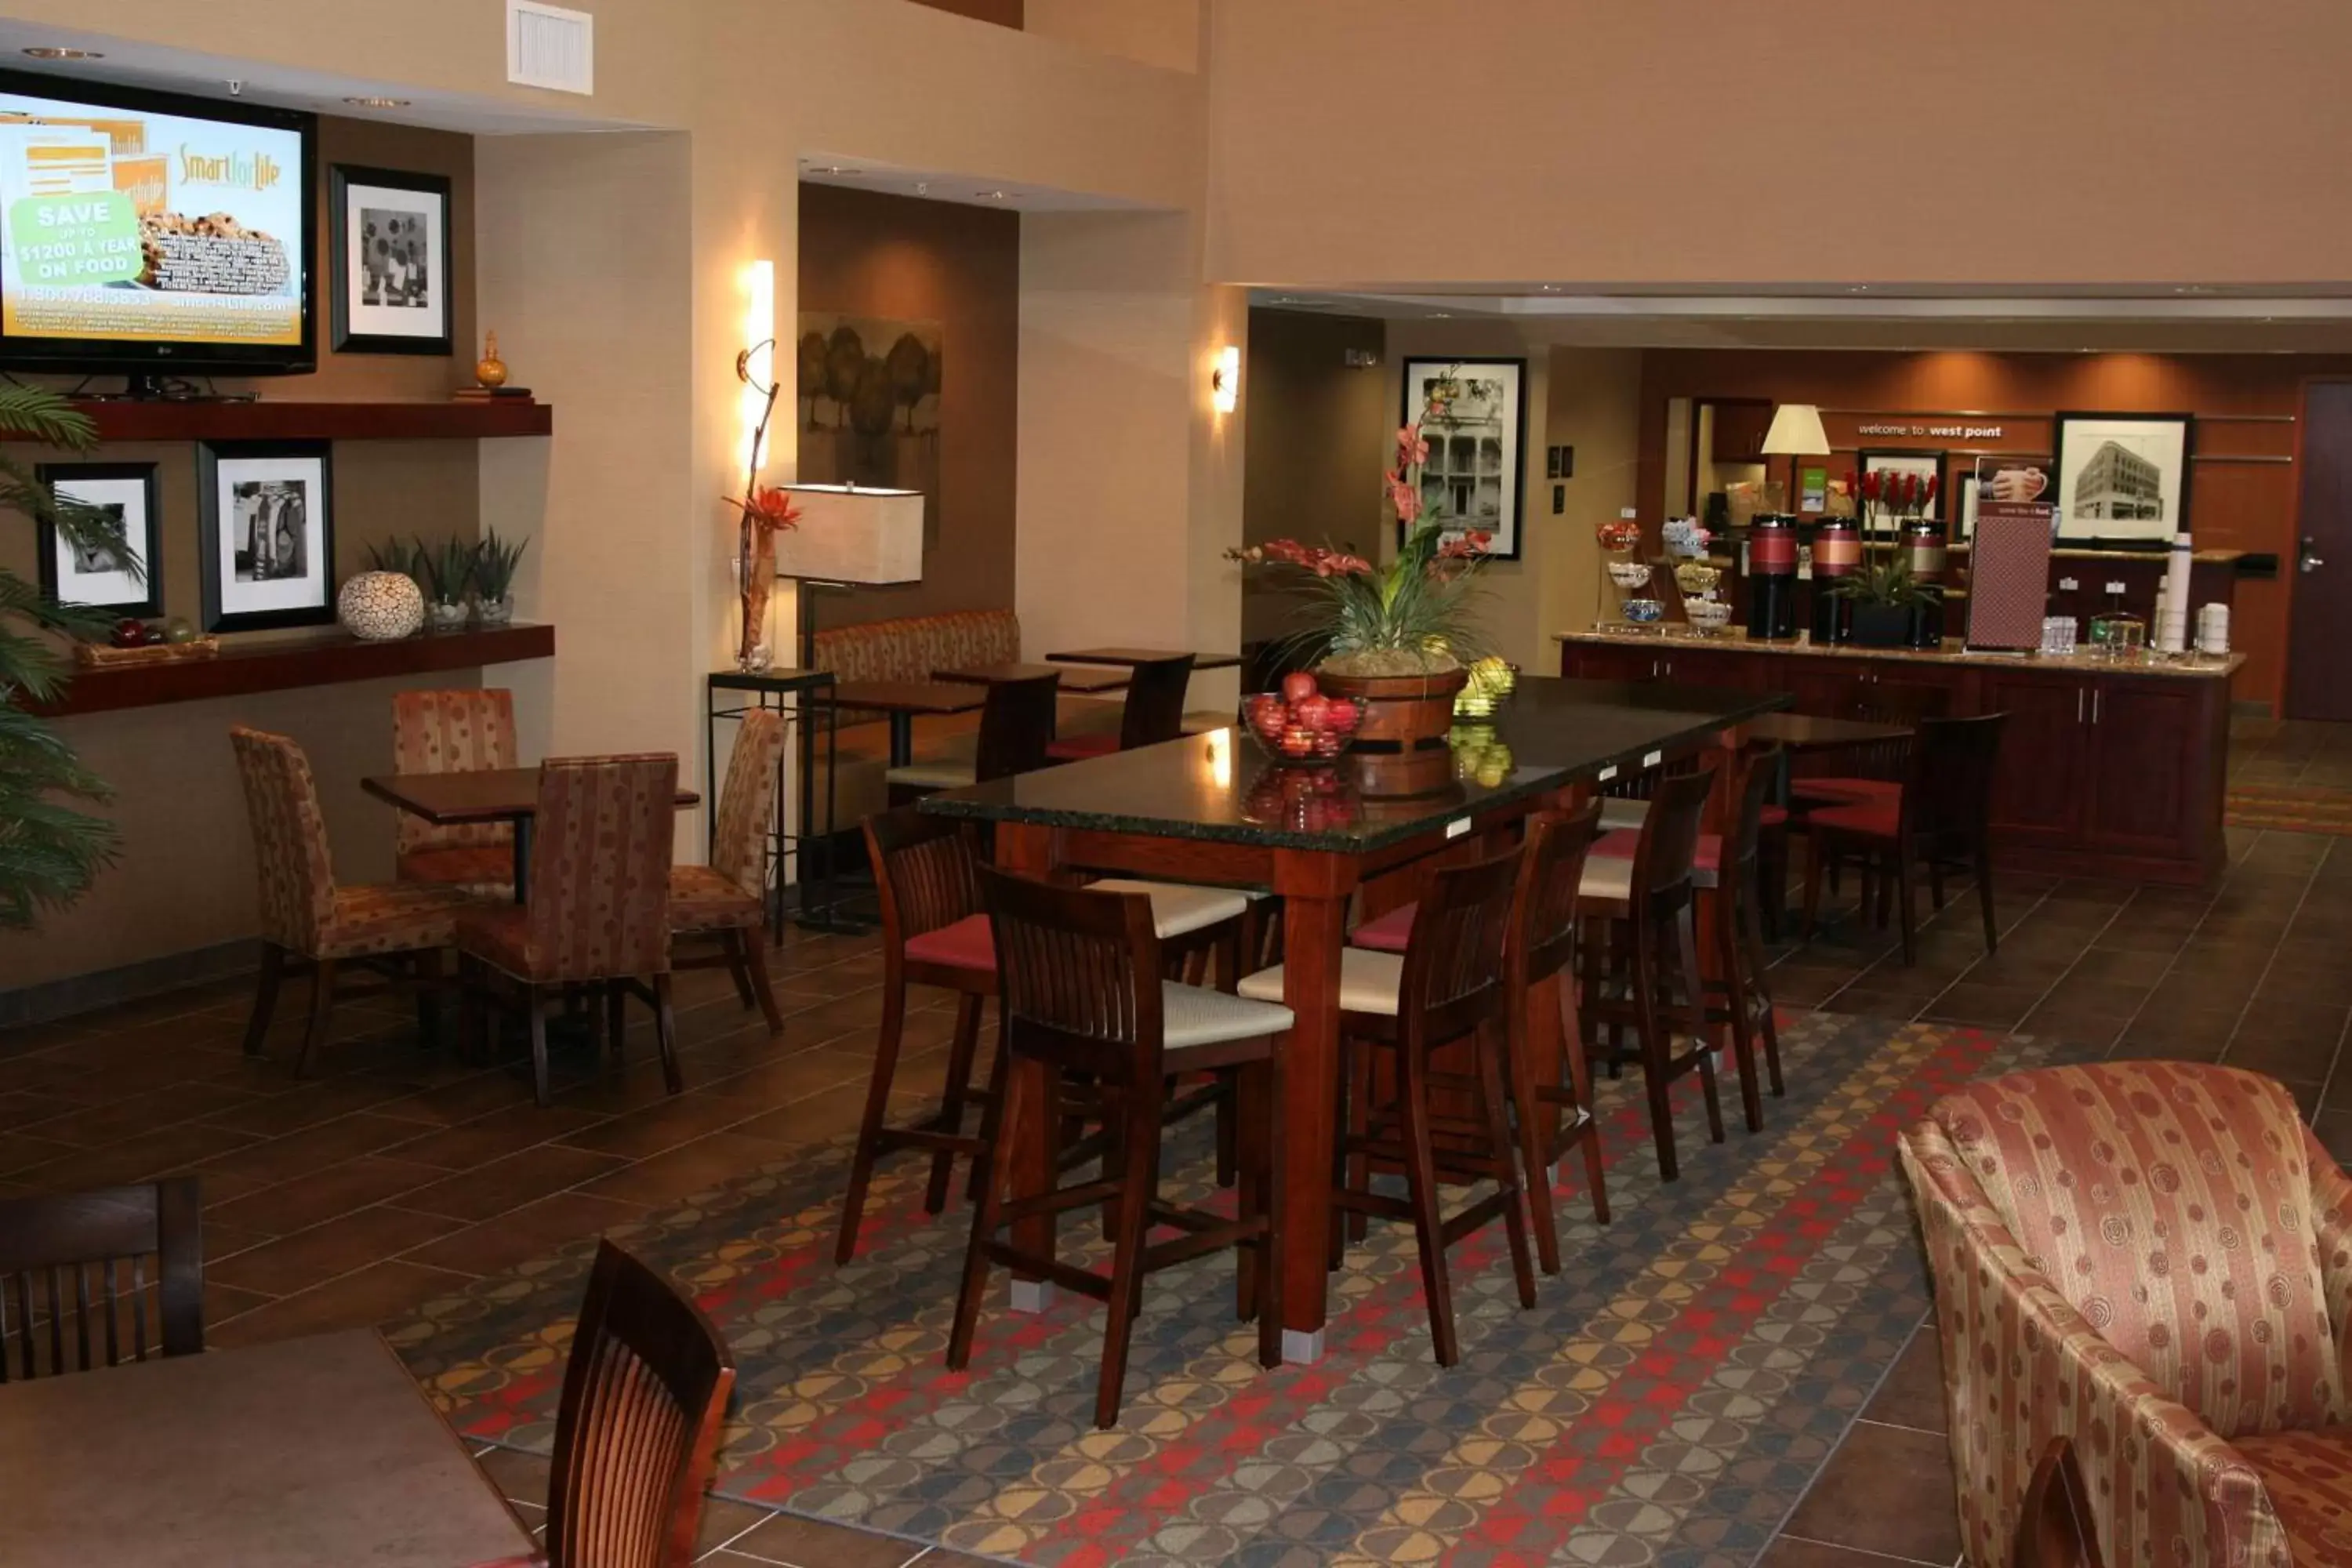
[(1644, 612), (1697, 576), (1303, 728), (1628, 574)]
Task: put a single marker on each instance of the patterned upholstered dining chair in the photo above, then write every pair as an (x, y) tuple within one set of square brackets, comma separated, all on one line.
[(454, 731), (598, 904), (307, 922), (725, 902), (2152, 1261)]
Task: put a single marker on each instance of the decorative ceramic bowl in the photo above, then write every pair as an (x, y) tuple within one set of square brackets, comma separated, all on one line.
[(1707, 614), (1644, 612), (1697, 576), (380, 606), (1628, 574)]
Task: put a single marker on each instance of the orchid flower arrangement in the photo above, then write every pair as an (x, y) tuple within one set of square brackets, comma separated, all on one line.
[(1407, 616)]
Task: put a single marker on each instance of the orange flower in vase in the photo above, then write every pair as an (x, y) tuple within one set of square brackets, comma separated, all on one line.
[(765, 512)]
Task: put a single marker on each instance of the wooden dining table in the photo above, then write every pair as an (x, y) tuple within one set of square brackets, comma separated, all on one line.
[(1082, 680), (902, 701), (1211, 808), (308, 1453), (478, 794), (1131, 656)]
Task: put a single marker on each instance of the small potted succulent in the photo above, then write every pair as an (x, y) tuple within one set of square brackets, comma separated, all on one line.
[(445, 573), (495, 560), (1398, 637)]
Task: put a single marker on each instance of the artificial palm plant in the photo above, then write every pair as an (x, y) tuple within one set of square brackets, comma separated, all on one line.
[(49, 851)]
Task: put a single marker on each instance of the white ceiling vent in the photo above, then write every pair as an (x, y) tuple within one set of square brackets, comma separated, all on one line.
[(549, 47)]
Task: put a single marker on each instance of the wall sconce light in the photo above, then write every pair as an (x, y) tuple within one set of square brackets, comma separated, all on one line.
[(756, 366), (1225, 380)]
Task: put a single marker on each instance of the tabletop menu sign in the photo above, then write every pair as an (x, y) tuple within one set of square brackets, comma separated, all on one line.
[(2008, 574)]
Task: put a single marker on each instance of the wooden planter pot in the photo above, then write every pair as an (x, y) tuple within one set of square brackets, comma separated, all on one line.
[(1403, 711)]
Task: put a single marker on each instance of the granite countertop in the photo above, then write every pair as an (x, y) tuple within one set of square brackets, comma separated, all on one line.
[(2196, 667)]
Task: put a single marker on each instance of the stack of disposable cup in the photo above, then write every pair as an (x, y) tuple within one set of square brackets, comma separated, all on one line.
[(2172, 607), (2213, 629)]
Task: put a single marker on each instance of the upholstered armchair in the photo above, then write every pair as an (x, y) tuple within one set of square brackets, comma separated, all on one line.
[(2153, 1260)]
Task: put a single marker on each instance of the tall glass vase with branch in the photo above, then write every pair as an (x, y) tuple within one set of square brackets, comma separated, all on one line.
[(765, 511)]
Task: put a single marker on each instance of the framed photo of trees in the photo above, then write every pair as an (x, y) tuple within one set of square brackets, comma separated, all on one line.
[(869, 404)]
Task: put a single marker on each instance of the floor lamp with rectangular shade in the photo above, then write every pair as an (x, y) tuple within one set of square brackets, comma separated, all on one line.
[(849, 537), (1796, 433)]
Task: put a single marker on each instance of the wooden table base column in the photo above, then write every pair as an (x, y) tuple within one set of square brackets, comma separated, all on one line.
[(1314, 890)]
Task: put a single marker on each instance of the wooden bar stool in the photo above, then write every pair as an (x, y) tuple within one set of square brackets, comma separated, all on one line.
[(1742, 998), (1647, 909), (1552, 1117), (934, 932), (1083, 994), (1448, 985)]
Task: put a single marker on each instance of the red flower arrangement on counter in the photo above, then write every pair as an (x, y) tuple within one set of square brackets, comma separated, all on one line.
[(1889, 492)]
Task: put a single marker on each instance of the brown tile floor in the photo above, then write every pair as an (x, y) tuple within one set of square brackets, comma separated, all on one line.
[(395, 1172)]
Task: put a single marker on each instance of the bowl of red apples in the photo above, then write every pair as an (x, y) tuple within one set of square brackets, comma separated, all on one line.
[(1298, 723)]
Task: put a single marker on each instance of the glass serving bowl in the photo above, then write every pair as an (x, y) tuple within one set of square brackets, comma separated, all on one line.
[(1644, 612), (1619, 534), (1707, 614), (1314, 728), (1698, 577), (1628, 574)]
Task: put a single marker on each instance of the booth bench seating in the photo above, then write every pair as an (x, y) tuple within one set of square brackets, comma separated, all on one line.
[(910, 648)]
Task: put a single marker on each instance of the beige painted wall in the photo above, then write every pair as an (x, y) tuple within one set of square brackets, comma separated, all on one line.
[(2184, 144), (1165, 33), (1594, 405)]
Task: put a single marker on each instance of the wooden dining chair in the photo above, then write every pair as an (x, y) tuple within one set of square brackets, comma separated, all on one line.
[(1448, 988), (1017, 725), (1154, 712), (721, 908), (1083, 997), (1641, 968), (454, 731), (1939, 819), (598, 909), (636, 1431), (307, 922), (83, 1257)]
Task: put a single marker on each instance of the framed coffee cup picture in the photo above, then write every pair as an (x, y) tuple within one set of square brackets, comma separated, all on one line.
[(390, 234), (124, 577), (265, 533)]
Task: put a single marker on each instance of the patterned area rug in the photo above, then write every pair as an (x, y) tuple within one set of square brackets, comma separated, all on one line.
[(1669, 1399), (2298, 808)]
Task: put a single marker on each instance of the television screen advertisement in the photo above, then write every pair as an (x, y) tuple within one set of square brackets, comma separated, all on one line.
[(136, 226)]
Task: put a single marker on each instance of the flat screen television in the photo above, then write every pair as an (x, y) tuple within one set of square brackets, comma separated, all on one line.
[(150, 234)]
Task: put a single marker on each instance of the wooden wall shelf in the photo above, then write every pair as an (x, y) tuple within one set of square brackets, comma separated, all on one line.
[(272, 420), (281, 663)]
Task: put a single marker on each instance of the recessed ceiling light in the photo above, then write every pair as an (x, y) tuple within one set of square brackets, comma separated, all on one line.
[(1441, 315), (1858, 288), (922, 187), (1549, 289), (378, 102), (52, 52), (836, 169), (992, 196)]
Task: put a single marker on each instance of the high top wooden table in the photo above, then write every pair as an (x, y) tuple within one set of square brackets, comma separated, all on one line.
[(313, 1452), (901, 701), (1135, 656), (1084, 680), (478, 794), (1211, 808)]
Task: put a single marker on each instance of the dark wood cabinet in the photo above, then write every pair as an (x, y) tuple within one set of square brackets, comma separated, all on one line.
[(1739, 431), (2038, 783), (2102, 772)]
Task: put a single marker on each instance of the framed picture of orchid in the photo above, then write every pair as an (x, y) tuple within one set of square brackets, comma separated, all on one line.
[(1474, 414)]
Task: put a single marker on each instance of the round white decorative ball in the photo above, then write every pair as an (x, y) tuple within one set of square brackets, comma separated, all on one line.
[(379, 606)]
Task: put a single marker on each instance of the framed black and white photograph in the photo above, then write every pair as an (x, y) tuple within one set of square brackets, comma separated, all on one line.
[(1474, 414), (266, 534), (2123, 478), (1926, 465), (129, 581), (391, 261)]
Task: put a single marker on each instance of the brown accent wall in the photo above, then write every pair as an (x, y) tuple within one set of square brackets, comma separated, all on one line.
[(1004, 13), (904, 260), (2246, 404), (1317, 437), (185, 878)]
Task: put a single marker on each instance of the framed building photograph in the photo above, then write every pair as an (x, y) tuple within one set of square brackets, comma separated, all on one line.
[(265, 533), (1474, 414), (128, 582), (2123, 478), (390, 262)]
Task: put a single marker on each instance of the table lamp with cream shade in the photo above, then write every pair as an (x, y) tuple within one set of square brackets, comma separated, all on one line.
[(849, 536), (1796, 433)]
